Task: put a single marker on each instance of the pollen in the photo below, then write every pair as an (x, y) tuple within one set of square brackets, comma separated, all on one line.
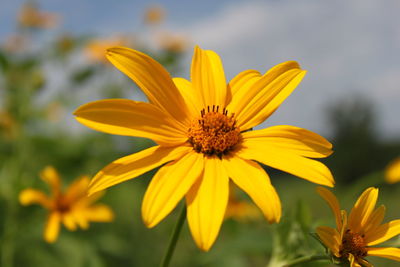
[(214, 132), (353, 243)]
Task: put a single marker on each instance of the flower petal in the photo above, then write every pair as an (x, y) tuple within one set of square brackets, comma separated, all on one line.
[(169, 186), (363, 208), (131, 118), (151, 77), (69, 222), (190, 96), (383, 233), (77, 190), (252, 179), (389, 253), (31, 196), (131, 166), (99, 213), (52, 227), (266, 94), (331, 238), (297, 140), (240, 85), (333, 203), (51, 177), (208, 78), (392, 171), (287, 161), (206, 203), (375, 220)]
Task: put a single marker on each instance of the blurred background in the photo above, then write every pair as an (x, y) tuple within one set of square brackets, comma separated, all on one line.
[(52, 61)]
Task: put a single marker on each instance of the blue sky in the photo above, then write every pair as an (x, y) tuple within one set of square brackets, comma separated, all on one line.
[(348, 47)]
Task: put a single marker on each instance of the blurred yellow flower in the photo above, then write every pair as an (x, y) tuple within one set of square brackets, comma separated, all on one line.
[(203, 132), (392, 172), (154, 14), (240, 210), (173, 42), (31, 17), (354, 236), (73, 207), (95, 49)]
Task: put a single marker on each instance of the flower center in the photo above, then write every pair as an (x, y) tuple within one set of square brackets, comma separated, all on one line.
[(214, 133), (353, 243)]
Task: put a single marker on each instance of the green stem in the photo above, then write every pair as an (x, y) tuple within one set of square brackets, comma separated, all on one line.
[(306, 259), (174, 238)]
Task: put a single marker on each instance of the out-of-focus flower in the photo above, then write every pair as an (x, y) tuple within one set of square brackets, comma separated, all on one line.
[(154, 15), (95, 50), (352, 239), (203, 131), (65, 44), (8, 126), (173, 42), (392, 172), (31, 17), (73, 207), (54, 111), (240, 210), (15, 43)]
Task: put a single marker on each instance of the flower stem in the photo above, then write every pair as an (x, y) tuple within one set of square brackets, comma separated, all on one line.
[(306, 259), (174, 238)]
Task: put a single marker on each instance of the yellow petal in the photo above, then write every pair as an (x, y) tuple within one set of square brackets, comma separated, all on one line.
[(190, 96), (77, 190), (389, 253), (69, 222), (287, 161), (208, 78), (169, 186), (374, 220), (99, 213), (294, 139), (131, 118), (333, 203), (131, 166), (52, 227), (80, 218), (151, 77), (392, 172), (206, 203), (252, 179), (331, 238), (243, 80), (31, 196), (51, 177), (363, 208), (383, 233), (266, 94)]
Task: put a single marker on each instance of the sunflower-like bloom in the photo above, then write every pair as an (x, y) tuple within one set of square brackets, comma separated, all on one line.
[(392, 172), (73, 208), (353, 237), (203, 133)]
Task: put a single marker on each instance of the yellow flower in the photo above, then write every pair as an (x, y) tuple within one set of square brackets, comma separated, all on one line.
[(73, 208), (173, 42), (31, 17), (392, 172), (238, 209), (202, 130), (154, 14), (353, 238), (95, 49)]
